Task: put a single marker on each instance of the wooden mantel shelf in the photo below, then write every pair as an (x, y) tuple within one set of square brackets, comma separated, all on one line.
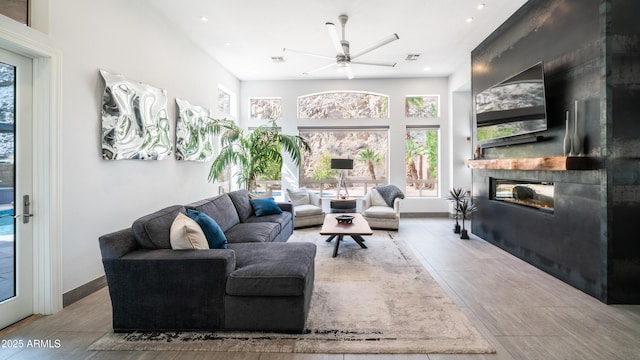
[(551, 163)]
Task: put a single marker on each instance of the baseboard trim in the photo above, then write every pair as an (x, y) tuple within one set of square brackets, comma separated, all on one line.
[(81, 291), (423, 215)]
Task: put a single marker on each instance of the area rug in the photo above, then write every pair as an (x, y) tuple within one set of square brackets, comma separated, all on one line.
[(375, 300)]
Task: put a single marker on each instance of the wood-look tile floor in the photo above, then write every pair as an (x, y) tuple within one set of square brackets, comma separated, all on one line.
[(524, 312)]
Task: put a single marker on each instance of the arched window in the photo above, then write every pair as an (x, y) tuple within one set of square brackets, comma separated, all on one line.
[(343, 105)]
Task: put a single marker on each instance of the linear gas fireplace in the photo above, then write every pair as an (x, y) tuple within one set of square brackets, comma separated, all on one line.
[(534, 194)]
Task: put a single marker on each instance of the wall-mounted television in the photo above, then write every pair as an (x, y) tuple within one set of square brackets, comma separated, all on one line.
[(515, 106)]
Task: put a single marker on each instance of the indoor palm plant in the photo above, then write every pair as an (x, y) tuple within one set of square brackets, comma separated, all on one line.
[(465, 208), (456, 195), (254, 153)]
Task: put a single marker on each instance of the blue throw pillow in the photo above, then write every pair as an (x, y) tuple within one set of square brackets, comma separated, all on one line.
[(212, 231), (265, 206)]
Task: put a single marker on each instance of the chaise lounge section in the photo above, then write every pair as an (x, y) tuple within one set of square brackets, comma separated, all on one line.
[(258, 283)]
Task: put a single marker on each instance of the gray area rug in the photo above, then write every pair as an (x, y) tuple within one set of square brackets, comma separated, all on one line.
[(375, 300)]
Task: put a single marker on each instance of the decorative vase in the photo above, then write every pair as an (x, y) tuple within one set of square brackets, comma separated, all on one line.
[(456, 229), (566, 150), (464, 235), (576, 142)]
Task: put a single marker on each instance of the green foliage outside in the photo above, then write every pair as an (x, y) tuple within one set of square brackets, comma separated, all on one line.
[(414, 151), (371, 158), (322, 170), (431, 147), (256, 154), (417, 106)]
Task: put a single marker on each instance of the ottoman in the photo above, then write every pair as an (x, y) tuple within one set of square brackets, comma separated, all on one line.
[(271, 287)]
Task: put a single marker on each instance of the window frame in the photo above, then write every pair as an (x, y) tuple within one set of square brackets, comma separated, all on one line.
[(367, 183), (387, 97)]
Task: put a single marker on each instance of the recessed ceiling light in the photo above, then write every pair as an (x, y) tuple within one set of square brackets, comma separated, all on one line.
[(204, 19), (227, 44), (481, 6), (469, 19), (427, 68)]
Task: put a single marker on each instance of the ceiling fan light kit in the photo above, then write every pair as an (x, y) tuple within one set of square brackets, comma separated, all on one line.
[(343, 58)]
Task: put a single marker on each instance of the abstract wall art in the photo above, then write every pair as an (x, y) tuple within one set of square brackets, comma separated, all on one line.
[(135, 124), (194, 141)]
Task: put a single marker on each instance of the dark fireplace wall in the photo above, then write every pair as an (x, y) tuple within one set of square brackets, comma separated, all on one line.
[(622, 171), (591, 53)]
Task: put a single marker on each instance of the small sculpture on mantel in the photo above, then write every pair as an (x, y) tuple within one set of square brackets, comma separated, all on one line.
[(576, 142), (567, 145)]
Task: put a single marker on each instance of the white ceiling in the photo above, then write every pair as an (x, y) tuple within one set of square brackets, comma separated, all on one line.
[(243, 35)]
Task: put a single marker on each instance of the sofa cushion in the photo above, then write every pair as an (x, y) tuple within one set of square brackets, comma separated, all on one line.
[(265, 206), (152, 231), (186, 234), (213, 233), (220, 209), (273, 269), (282, 219), (380, 212), (307, 210), (240, 199), (298, 197), (253, 232)]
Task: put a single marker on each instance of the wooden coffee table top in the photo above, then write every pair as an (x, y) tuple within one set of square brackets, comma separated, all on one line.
[(359, 226)]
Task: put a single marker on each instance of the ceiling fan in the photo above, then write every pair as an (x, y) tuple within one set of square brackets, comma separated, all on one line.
[(343, 58)]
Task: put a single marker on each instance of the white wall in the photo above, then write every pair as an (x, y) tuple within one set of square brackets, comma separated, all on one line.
[(397, 89), (461, 132), (101, 196)]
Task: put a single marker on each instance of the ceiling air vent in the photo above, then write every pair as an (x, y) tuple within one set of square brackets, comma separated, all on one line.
[(412, 57), (277, 59)]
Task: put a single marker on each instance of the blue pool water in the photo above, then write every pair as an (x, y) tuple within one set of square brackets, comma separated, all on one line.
[(6, 222)]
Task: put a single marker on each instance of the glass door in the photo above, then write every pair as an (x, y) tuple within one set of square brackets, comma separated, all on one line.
[(16, 252)]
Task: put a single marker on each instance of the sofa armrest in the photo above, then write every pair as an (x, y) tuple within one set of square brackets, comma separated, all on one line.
[(366, 202), (169, 289), (286, 206), (396, 206)]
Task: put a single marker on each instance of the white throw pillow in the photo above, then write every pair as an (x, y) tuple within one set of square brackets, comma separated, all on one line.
[(377, 199), (185, 233), (298, 197)]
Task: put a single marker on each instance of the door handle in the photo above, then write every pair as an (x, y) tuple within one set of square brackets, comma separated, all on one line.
[(26, 207)]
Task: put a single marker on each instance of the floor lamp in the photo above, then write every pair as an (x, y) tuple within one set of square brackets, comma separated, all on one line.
[(342, 165)]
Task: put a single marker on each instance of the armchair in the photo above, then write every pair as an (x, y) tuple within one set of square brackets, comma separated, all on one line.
[(378, 213), (307, 208)]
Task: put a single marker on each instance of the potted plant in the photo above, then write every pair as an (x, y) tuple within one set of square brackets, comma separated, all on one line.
[(465, 208), (255, 153), (456, 195)]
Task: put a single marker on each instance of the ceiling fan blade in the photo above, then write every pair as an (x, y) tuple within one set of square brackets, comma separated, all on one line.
[(380, 43), (389, 64), (335, 39), (320, 68), (310, 54)]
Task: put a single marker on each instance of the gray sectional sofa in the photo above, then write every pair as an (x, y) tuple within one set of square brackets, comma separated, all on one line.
[(259, 283)]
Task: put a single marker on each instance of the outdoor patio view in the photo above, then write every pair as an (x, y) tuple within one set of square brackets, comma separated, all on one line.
[(368, 147)]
